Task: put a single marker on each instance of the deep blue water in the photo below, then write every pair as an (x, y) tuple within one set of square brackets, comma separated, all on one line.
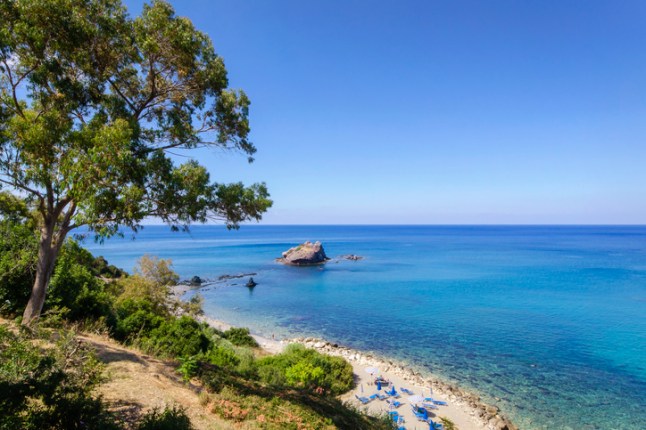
[(549, 323)]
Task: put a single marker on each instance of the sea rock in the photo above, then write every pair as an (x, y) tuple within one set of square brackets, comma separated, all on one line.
[(196, 280), (304, 255), (251, 283)]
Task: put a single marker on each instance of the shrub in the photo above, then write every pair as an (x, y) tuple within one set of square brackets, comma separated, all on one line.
[(179, 337), (75, 287), (302, 367), (18, 251), (50, 387), (136, 318), (174, 418), (222, 357), (188, 367), (240, 337)]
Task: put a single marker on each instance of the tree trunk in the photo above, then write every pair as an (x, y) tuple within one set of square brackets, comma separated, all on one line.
[(47, 253)]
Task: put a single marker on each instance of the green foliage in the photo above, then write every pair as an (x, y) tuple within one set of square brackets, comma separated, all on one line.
[(173, 418), (136, 318), (188, 367), (304, 374), (222, 356), (157, 270), (102, 268), (178, 337), (49, 387), (74, 286), (448, 424), (18, 258), (302, 367), (85, 127), (240, 337)]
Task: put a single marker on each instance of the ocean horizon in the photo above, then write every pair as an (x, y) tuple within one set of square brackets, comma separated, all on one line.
[(545, 321)]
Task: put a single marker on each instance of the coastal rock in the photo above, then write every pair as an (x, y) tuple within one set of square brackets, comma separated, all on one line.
[(251, 283), (305, 255), (196, 281)]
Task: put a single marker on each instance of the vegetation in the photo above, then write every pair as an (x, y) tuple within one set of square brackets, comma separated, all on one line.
[(91, 100), (448, 424), (173, 418), (51, 387), (240, 337)]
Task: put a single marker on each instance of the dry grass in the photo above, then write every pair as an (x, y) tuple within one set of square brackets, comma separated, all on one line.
[(137, 383)]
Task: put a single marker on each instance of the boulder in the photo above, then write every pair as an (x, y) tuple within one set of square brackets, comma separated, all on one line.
[(196, 281), (304, 255)]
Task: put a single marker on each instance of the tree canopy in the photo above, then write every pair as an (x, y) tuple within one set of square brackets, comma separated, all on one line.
[(92, 100)]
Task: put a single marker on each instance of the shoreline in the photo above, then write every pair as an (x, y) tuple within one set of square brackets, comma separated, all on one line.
[(465, 409)]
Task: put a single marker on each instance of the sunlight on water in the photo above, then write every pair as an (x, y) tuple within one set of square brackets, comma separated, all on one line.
[(546, 322)]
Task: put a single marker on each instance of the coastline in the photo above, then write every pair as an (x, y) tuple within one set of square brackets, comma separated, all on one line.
[(465, 409)]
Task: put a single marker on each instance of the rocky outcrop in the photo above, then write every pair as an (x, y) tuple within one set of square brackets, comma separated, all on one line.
[(305, 255)]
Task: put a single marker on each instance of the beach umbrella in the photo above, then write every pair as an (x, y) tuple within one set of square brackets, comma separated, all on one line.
[(416, 399), (371, 370), (361, 388)]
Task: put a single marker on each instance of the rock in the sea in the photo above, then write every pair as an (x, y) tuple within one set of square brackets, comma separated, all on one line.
[(251, 283), (306, 254), (196, 280)]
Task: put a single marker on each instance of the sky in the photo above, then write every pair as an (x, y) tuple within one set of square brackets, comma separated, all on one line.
[(437, 112)]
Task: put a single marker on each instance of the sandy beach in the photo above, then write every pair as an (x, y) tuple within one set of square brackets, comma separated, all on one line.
[(464, 409)]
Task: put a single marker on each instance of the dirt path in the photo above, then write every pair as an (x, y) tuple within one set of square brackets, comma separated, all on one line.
[(138, 383)]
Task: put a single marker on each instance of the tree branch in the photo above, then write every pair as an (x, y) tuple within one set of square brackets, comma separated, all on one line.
[(13, 87), (125, 99), (16, 184)]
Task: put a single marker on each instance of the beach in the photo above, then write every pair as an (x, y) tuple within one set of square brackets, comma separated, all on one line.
[(464, 409)]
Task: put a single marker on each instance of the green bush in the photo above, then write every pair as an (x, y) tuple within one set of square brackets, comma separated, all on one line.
[(179, 337), (222, 357), (136, 318), (74, 286), (240, 337), (302, 367), (18, 251), (174, 418), (44, 388)]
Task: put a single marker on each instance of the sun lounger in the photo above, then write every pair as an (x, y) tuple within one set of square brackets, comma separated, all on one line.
[(420, 413), (382, 396), (430, 405), (373, 396), (406, 391), (394, 403), (437, 402), (432, 425), (363, 400)]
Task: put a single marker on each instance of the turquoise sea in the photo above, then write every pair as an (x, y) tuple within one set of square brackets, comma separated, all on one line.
[(547, 322)]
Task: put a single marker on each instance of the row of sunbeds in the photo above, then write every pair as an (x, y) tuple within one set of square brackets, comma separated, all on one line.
[(420, 412)]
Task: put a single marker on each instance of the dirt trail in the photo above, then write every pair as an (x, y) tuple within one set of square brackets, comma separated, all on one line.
[(137, 383)]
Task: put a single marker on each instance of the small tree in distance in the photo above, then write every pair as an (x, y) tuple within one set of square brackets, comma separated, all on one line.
[(91, 101)]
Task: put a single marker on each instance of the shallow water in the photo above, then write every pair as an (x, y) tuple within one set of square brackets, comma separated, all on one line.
[(549, 323)]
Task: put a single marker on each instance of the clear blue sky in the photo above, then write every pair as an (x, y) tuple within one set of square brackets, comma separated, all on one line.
[(431, 112)]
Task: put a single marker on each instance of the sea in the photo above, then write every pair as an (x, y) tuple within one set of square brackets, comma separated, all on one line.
[(546, 322)]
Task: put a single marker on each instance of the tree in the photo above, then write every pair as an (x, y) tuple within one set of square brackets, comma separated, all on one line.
[(91, 101)]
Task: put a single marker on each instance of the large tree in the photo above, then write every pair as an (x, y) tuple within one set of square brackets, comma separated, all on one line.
[(91, 103)]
